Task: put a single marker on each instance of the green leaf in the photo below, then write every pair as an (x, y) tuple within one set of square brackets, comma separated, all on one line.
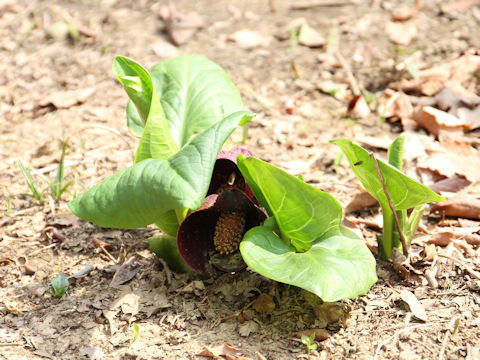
[(168, 223), (134, 121), (136, 82), (145, 192), (156, 140), (337, 266), (406, 193), (30, 182), (303, 212), (195, 93), (136, 330), (166, 248), (59, 285), (395, 152)]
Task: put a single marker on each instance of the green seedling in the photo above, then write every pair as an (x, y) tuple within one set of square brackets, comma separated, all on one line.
[(405, 193), (309, 342), (26, 171), (136, 331), (57, 187), (59, 285)]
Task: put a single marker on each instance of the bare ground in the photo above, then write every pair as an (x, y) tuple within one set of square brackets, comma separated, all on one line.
[(295, 122)]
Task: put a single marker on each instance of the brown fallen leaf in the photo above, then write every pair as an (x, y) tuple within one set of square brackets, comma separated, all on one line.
[(451, 184), (463, 204), (320, 334), (249, 39), (415, 306), (438, 122), (126, 272), (264, 304), (361, 201), (394, 104), (308, 36), (218, 350), (470, 117), (164, 50), (93, 353), (400, 33), (405, 13), (358, 108), (66, 99), (459, 6), (180, 27)]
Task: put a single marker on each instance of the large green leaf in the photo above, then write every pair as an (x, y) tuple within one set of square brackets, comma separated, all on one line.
[(195, 93), (337, 266), (303, 212), (303, 243), (406, 193), (142, 194), (156, 141)]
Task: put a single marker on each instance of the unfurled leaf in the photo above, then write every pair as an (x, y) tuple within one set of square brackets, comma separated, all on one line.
[(195, 93), (337, 266), (141, 194), (303, 213), (406, 193), (334, 262)]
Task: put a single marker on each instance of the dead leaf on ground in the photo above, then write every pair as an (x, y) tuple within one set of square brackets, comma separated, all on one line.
[(415, 306), (400, 33), (320, 334), (451, 184), (65, 99), (358, 108), (164, 50), (361, 201), (332, 313), (126, 272), (93, 353), (218, 350), (264, 304), (459, 6), (247, 328), (395, 104), (308, 36), (180, 27), (438, 122), (463, 204), (447, 159), (405, 13), (249, 39)]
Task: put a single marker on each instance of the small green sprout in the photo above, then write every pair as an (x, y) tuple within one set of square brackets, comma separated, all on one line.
[(59, 285), (309, 341)]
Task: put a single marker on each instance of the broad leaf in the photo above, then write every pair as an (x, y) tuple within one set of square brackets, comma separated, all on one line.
[(302, 212), (156, 140), (406, 193), (134, 122), (142, 194), (337, 266), (195, 93), (168, 223)]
